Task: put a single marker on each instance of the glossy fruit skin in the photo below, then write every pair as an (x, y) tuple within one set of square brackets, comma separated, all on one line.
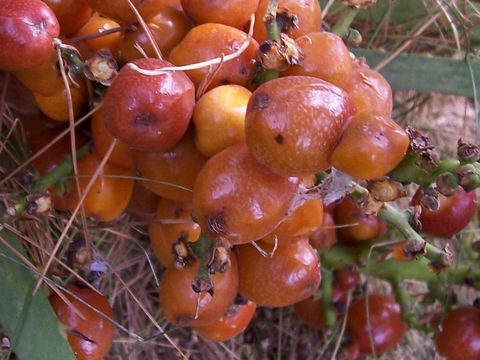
[(300, 224), (121, 155), (308, 14), (109, 195), (119, 10), (164, 234), (319, 48), (234, 322), (234, 13), (362, 227), (386, 324), (325, 236), (223, 107), (172, 173), (209, 41), (27, 30), (239, 199), (370, 92), (168, 28), (454, 214), (292, 274), (294, 123), (371, 146), (44, 79), (459, 337), (346, 279), (149, 113), (178, 300), (93, 326), (56, 106), (71, 14), (110, 41)]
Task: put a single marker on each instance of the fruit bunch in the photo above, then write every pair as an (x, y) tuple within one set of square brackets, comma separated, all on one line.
[(243, 141)]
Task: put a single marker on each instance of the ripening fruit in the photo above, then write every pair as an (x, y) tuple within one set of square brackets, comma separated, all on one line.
[(300, 224), (110, 193), (91, 336), (234, 322), (454, 214), (325, 57), (44, 79), (208, 41), (102, 139), (55, 106), (179, 301), (168, 28), (292, 274), (99, 24), (27, 31), (171, 174), (371, 146), (325, 236), (234, 13), (459, 337), (119, 10), (370, 92), (224, 108), (149, 113), (294, 123), (239, 199), (71, 14), (307, 13), (354, 225), (387, 327), (173, 221)]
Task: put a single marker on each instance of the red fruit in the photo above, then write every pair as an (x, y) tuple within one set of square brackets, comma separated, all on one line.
[(235, 321), (71, 14), (354, 225), (459, 338), (294, 123), (292, 274), (149, 113), (239, 199), (387, 327), (179, 301), (91, 335), (454, 214), (27, 30)]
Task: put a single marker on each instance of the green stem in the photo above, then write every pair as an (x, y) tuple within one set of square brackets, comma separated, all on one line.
[(43, 183), (202, 248), (274, 34), (342, 25), (404, 300), (439, 258), (327, 292), (61, 171)]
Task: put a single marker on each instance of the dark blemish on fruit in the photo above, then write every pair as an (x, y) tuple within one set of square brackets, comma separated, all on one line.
[(279, 139), (143, 119), (260, 101), (225, 81), (217, 224), (243, 70), (265, 47), (311, 286)]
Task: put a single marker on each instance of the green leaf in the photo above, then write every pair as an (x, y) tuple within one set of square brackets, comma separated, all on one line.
[(29, 321), (425, 74)]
